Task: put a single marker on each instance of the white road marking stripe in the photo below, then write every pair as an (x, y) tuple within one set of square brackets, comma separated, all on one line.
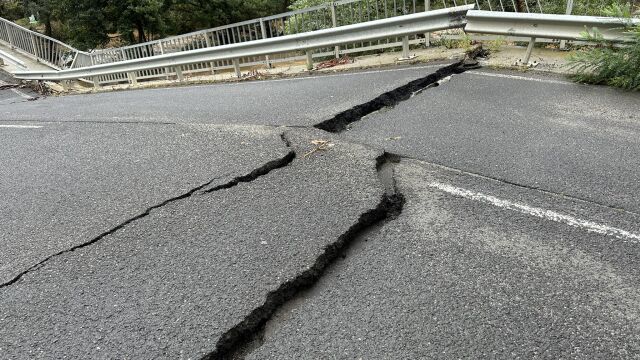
[(21, 126), (517, 77), (587, 225), (20, 93)]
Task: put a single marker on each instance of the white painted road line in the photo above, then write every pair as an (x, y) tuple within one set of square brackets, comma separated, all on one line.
[(21, 126), (517, 77), (587, 225), (18, 92)]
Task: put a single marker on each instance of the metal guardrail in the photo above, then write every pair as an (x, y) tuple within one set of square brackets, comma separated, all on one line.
[(565, 27), (399, 26), (328, 15), (534, 26), (41, 48)]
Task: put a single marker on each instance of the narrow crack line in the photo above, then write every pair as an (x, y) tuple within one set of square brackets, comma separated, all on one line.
[(108, 232), (341, 121), (256, 173), (234, 342), (263, 170), (527, 187)]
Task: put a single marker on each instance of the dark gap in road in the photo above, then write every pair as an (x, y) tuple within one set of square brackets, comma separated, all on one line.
[(261, 171), (248, 335), (341, 121)]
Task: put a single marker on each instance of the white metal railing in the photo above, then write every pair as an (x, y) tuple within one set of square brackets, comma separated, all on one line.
[(328, 15), (395, 27), (41, 48)]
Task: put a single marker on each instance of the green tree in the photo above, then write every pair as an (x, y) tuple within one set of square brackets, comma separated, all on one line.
[(88, 23), (12, 9), (135, 20)]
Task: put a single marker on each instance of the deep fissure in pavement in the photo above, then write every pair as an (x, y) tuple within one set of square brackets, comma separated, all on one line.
[(256, 173), (341, 121), (247, 335)]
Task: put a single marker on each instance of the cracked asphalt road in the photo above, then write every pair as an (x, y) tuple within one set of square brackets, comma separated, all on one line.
[(188, 223)]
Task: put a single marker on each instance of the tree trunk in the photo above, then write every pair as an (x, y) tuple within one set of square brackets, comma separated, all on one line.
[(141, 36), (47, 26)]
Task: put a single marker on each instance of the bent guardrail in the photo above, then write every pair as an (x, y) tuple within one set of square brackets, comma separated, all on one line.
[(399, 26)]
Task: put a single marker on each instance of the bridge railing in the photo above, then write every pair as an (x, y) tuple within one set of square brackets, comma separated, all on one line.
[(325, 16), (305, 42), (41, 48), (328, 15)]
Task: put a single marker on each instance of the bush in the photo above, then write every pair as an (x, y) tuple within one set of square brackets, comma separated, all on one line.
[(606, 64)]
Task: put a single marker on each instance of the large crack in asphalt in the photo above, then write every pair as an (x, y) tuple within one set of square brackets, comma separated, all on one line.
[(254, 174), (341, 121), (247, 335)]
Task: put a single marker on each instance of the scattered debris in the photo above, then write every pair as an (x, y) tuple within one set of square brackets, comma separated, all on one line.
[(393, 138), (258, 75), (321, 145), (334, 62), (44, 88)]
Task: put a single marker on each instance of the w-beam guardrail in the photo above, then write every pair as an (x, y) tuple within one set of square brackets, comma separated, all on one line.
[(547, 26), (380, 29)]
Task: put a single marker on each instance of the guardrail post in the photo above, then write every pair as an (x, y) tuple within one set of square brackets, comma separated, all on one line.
[(167, 70), (179, 74), (563, 43), (405, 47), (309, 60), (10, 35), (236, 67), (131, 76), (263, 30), (427, 36), (35, 47), (527, 56), (334, 23), (211, 64), (96, 79)]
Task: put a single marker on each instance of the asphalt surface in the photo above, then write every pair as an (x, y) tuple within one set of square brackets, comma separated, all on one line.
[(10, 93), (455, 278), (294, 101), (64, 184), (185, 222), (170, 284), (558, 136)]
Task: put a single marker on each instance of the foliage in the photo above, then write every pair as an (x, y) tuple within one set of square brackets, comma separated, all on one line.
[(88, 24), (495, 45), (606, 64), (12, 9)]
